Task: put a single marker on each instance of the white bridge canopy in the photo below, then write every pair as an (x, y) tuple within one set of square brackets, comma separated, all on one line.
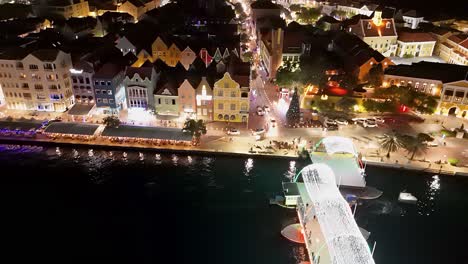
[(335, 144), (345, 243)]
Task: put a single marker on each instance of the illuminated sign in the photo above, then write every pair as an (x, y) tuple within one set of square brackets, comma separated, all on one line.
[(74, 71)]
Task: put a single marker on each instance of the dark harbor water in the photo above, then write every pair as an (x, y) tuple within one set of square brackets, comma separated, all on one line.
[(82, 206)]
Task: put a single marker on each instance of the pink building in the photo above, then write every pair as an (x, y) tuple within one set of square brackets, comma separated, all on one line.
[(187, 104)]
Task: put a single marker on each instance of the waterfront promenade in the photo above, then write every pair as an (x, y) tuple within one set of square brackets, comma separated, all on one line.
[(247, 146)]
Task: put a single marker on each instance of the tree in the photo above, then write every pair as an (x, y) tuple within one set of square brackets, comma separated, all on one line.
[(391, 143), (349, 82), (346, 104), (413, 145), (295, 7), (423, 137), (308, 15), (325, 106), (379, 106), (339, 14), (293, 115), (238, 8), (253, 74), (111, 121), (247, 56), (244, 38), (376, 75), (196, 128)]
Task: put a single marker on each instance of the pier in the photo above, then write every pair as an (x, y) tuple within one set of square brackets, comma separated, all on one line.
[(329, 230)]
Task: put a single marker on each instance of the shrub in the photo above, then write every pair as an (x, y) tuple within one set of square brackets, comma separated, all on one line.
[(453, 161), (448, 133)]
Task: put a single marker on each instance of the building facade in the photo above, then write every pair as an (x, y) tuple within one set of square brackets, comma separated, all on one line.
[(380, 34), (454, 99), (109, 89), (187, 100), (166, 101), (38, 81), (204, 100), (139, 86), (415, 44), (231, 103)]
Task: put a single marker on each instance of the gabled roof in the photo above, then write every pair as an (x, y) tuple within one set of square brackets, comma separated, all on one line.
[(375, 31), (464, 43), (458, 38), (440, 31), (108, 71), (46, 54), (143, 72), (415, 37), (413, 13)]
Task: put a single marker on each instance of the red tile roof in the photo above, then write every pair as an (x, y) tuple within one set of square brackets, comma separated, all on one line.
[(464, 43), (458, 38), (415, 37), (362, 28), (447, 45)]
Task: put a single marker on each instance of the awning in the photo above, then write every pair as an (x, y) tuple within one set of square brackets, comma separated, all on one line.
[(164, 133), (71, 128), (81, 109)]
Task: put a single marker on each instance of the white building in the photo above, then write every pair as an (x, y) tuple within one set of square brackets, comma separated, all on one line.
[(139, 87), (38, 80), (412, 19)]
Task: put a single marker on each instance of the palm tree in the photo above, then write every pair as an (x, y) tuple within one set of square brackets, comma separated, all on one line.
[(414, 145), (196, 128), (391, 143)]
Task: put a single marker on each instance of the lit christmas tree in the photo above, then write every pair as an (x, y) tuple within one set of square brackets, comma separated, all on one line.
[(293, 115)]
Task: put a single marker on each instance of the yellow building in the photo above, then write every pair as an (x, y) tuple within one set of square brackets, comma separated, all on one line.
[(231, 102), (454, 99), (159, 49), (379, 33), (452, 47), (138, 8), (173, 55), (415, 44)]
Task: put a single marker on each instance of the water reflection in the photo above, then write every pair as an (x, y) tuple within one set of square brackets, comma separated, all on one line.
[(426, 205)]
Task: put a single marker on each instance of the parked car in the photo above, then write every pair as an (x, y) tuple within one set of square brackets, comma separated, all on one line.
[(358, 120), (329, 122), (258, 131), (369, 123), (332, 127), (233, 131), (273, 122), (432, 143), (266, 108), (342, 121), (260, 112), (379, 120)]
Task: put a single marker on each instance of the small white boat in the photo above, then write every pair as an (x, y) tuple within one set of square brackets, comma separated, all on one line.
[(406, 197)]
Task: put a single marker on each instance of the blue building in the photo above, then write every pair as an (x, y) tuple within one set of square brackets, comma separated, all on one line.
[(109, 89)]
